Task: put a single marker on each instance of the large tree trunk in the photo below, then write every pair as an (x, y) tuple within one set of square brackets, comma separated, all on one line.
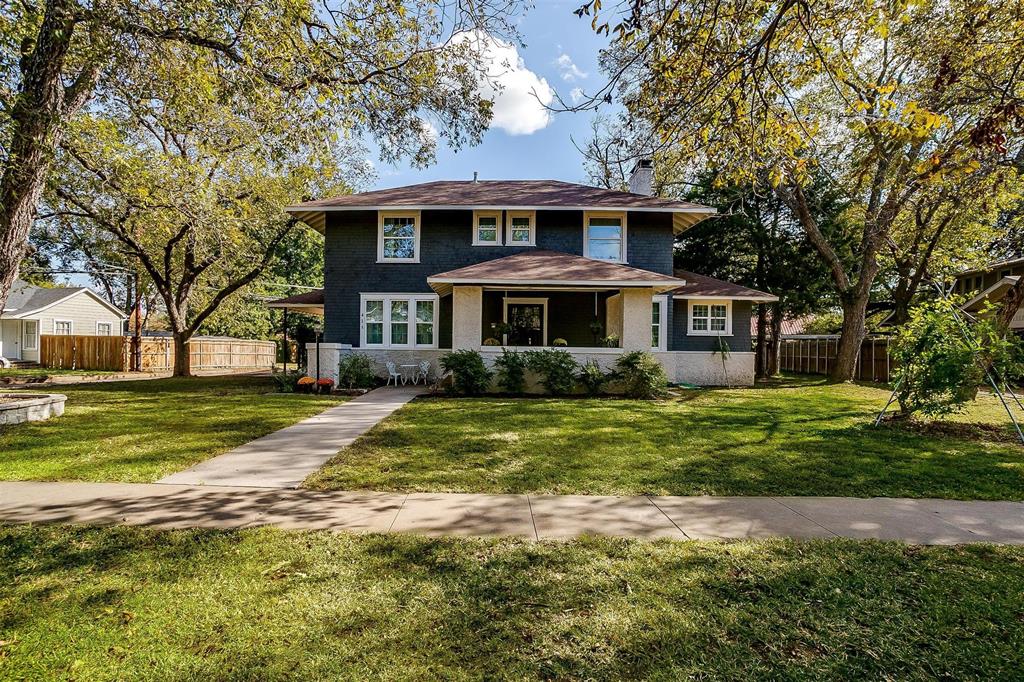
[(851, 338), (760, 357), (775, 345), (40, 109), (182, 361)]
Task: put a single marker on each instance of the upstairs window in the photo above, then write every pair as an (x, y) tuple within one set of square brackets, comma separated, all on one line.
[(710, 318), (398, 237), (521, 228), (486, 228), (604, 237)]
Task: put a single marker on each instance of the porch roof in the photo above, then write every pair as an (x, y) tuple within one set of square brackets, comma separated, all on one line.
[(552, 269), (994, 293), (702, 286), (308, 301)]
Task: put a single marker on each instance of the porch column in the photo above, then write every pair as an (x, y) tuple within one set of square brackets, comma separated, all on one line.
[(636, 318), (467, 317)]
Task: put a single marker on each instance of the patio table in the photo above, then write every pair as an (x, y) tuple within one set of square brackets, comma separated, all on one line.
[(407, 370)]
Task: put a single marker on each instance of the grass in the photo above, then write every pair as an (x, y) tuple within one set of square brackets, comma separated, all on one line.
[(131, 603), (801, 438), (43, 372), (143, 430)]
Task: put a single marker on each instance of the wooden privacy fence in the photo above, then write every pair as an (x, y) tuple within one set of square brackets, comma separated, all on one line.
[(817, 355), (114, 353)]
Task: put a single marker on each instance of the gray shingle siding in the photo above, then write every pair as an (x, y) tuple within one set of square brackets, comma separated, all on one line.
[(350, 255), (738, 342)]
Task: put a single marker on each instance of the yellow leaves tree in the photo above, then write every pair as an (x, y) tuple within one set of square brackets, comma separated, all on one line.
[(886, 100)]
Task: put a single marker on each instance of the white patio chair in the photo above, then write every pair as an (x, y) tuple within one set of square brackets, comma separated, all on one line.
[(424, 372), (393, 373)]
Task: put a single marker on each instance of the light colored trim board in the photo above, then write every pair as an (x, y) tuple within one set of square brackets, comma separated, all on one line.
[(387, 298), (623, 250), (767, 298), (381, 215), (532, 215), (71, 327), (529, 301), (690, 331), (498, 227)]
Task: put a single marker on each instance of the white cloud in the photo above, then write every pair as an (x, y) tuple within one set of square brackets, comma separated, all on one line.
[(520, 96), (576, 94), (570, 72)]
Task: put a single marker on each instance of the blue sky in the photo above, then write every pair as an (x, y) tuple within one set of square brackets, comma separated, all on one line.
[(523, 142)]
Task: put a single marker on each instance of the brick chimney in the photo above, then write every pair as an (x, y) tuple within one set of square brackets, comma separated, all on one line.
[(641, 180)]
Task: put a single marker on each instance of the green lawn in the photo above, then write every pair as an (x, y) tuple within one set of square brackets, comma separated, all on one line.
[(43, 372), (801, 438), (143, 430), (131, 603)]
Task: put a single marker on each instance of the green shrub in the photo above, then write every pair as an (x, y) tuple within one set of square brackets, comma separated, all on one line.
[(592, 377), (610, 341), (557, 369), (469, 375), (940, 361), (641, 374), (355, 370), (286, 381), (511, 367)]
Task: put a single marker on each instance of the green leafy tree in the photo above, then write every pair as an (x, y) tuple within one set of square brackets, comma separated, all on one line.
[(377, 67), (883, 99)]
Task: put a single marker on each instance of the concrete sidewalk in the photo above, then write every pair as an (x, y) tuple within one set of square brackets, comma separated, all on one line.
[(530, 516), (285, 458)]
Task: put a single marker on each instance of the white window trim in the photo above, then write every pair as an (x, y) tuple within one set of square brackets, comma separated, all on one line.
[(532, 215), (663, 327), (71, 327), (623, 257), (24, 335), (499, 227), (690, 331), (111, 324), (388, 298), (535, 301), (381, 215)]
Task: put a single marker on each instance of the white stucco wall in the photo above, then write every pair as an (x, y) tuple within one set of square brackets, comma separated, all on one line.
[(636, 318), (467, 316)]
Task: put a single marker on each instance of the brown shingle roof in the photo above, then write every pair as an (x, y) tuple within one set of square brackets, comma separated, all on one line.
[(709, 287), (500, 194), (551, 268)]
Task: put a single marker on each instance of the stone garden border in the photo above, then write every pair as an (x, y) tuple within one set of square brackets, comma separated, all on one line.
[(30, 407)]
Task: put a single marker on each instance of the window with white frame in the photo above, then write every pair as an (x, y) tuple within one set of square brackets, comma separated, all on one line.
[(104, 329), (659, 323), (63, 327), (486, 228), (398, 237), (604, 236), (30, 332), (521, 228), (398, 320), (710, 318)]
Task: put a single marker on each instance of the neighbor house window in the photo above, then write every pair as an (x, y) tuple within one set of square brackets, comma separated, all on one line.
[(521, 228), (486, 228), (104, 329), (63, 327), (398, 237), (31, 334), (399, 320), (658, 323), (604, 237), (1004, 273), (710, 318)]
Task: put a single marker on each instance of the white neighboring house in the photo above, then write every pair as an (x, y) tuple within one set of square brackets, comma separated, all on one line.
[(33, 311)]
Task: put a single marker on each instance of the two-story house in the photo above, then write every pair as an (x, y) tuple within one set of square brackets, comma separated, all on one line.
[(412, 272), (989, 284)]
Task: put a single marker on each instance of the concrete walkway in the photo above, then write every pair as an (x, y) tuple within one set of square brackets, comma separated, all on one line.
[(529, 516), (285, 458)]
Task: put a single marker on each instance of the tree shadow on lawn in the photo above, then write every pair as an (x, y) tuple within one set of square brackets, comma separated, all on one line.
[(219, 604)]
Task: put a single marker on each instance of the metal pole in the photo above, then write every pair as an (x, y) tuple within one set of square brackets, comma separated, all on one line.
[(892, 397)]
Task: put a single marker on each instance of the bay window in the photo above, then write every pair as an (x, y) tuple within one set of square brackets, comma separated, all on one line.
[(604, 236), (398, 237), (398, 320)]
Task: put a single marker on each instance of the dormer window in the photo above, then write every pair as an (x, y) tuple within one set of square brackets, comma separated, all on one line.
[(398, 237), (486, 228), (521, 228), (604, 236)]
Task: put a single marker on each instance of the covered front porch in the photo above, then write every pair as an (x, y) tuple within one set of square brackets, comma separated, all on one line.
[(545, 298)]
